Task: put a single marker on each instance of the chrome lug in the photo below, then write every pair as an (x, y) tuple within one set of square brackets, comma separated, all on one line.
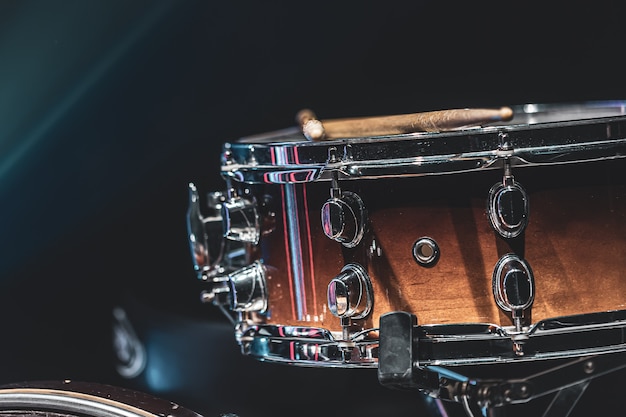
[(241, 220), (350, 293)]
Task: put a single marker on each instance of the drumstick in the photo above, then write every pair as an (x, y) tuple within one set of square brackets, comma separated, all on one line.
[(432, 121)]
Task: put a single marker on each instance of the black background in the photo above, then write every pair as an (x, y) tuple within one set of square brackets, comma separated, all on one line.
[(108, 109)]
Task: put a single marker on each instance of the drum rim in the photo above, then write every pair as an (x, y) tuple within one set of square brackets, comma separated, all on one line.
[(316, 347), (415, 154)]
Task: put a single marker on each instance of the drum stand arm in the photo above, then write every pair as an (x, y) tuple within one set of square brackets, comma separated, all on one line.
[(399, 367), (568, 381)]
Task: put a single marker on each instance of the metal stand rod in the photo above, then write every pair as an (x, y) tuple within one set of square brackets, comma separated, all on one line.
[(565, 400)]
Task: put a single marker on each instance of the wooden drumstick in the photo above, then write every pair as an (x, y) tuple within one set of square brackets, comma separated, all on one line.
[(432, 121)]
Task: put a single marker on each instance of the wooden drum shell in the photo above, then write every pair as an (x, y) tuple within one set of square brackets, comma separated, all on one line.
[(575, 244)]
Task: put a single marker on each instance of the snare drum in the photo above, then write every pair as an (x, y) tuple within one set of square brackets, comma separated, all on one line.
[(507, 242)]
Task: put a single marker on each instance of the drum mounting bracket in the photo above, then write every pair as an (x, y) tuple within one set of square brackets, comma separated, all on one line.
[(399, 367)]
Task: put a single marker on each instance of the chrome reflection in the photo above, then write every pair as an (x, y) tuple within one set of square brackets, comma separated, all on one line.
[(248, 289), (211, 253), (308, 346), (350, 293), (204, 258), (241, 221), (441, 345)]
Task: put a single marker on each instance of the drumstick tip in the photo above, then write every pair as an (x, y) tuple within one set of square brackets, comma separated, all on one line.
[(313, 130), (506, 113)]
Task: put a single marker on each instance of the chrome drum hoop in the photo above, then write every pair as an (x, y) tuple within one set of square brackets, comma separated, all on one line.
[(309, 346), (445, 344), (537, 135)]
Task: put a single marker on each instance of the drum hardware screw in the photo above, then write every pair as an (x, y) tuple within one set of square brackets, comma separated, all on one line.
[(518, 348), (517, 320), (218, 294), (524, 391), (335, 191), (241, 326), (346, 323), (215, 200), (374, 249), (251, 158), (227, 156), (332, 156), (346, 345), (347, 153), (507, 395), (346, 353), (504, 141), (505, 148), (508, 171), (589, 367), (207, 297)]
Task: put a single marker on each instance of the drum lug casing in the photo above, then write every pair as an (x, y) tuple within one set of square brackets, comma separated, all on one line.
[(218, 259), (244, 290), (513, 287), (344, 217), (350, 293), (507, 207), (241, 220), (248, 289), (206, 244), (508, 210)]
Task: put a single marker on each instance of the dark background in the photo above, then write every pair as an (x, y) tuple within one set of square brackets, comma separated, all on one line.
[(108, 109)]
